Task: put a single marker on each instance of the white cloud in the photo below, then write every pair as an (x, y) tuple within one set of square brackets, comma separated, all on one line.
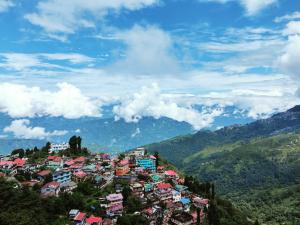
[(5, 5), (151, 102), (252, 7), (292, 28), (22, 61), (289, 62), (21, 129), (149, 51), (293, 16), (65, 17), (68, 101)]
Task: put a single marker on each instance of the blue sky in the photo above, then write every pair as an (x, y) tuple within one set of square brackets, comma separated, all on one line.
[(149, 58)]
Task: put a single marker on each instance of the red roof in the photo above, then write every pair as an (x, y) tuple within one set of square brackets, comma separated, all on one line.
[(80, 216), (6, 163), (69, 162), (54, 158), (164, 186), (20, 162), (44, 173), (93, 219), (170, 173), (79, 159)]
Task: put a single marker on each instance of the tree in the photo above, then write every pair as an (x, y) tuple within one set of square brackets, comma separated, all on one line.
[(79, 143), (156, 154), (126, 192), (73, 143), (212, 190), (256, 222), (19, 152)]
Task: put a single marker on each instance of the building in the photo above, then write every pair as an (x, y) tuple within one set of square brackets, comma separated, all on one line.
[(79, 219), (164, 192), (147, 163), (122, 168), (62, 176), (139, 152), (182, 218), (58, 147), (50, 189), (176, 196), (55, 162), (137, 189), (93, 220), (114, 204), (43, 174)]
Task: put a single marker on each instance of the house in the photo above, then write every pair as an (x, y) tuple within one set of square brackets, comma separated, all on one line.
[(93, 220), (171, 174), (139, 152), (122, 168), (58, 147), (73, 213), (54, 162), (176, 196), (79, 176), (147, 163), (62, 176), (50, 189), (19, 162), (137, 189), (200, 202), (148, 187), (79, 219), (43, 174), (114, 204), (68, 186), (185, 203), (152, 214), (164, 191), (182, 218)]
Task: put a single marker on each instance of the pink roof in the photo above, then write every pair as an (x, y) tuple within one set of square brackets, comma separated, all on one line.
[(20, 162), (52, 184), (80, 174), (124, 162), (114, 197), (93, 219), (164, 186), (80, 216), (152, 157), (6, 163), (69, 162), (170, 173), (44, 172), (79, 159)]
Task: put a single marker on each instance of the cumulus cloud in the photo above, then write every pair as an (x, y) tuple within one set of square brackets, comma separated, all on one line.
[(149, 51), (151, 102), (252, 7), (68, 101), (5, 5), (65, 17), (21, 129)]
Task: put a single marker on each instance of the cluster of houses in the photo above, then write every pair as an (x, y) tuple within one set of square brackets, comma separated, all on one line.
[(162, 193)]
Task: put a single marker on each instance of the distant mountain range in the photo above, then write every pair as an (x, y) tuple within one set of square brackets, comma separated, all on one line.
[(257, 165), (107, 134)]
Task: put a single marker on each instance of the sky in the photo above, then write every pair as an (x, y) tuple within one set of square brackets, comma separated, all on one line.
[(148, 58)]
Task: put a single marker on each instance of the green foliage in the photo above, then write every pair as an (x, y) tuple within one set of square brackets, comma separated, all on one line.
[(132, 220)]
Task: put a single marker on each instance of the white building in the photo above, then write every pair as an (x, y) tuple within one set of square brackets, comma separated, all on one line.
[(59, 147)]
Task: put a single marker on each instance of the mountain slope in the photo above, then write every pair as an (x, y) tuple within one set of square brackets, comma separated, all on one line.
[(181, 147)]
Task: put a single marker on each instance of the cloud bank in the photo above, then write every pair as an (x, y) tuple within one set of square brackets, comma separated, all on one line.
[(67, 101), (21, 129)]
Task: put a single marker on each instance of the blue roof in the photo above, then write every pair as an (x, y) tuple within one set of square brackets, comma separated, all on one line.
[(185, 201)]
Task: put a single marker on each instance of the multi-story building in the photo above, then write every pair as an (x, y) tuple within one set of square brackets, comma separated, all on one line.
[(114, 204), (182, 218), (50, 189), (122, 167), (137, 189), (58, 147), (62, 176), (147, 163)]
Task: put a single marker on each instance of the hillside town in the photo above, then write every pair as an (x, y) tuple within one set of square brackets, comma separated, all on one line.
[(159, 190)]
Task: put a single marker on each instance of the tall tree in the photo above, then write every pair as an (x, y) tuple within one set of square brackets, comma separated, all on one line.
[(79, 139), (73, 143)]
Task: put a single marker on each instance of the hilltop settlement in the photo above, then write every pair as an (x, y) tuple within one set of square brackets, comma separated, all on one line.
[(131, 188)]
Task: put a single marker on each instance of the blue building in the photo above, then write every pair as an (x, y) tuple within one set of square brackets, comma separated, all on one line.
[(147, 163), (62, 176)]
